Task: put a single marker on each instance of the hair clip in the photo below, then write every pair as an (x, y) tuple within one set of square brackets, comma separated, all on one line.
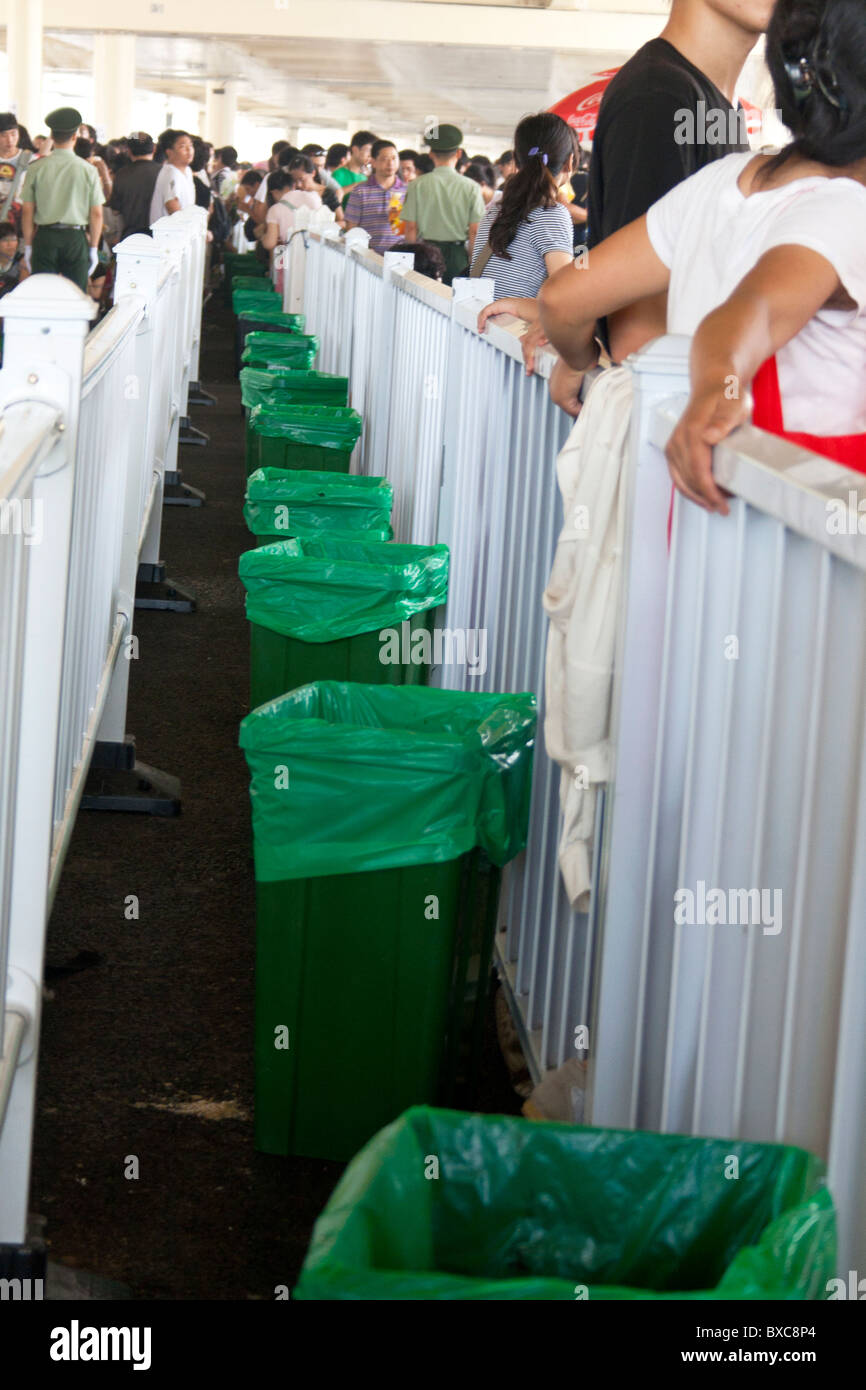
[(805, 76), (801, 76), (536, 150)]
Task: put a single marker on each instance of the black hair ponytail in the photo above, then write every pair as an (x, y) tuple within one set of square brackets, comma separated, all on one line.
[(816, 53), (542, 146)]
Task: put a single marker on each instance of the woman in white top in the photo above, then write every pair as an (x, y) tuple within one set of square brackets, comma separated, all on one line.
[(764, 262)]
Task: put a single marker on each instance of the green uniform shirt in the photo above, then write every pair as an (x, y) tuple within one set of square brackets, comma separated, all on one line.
[(346, 178), (444, 204), (63, 188)]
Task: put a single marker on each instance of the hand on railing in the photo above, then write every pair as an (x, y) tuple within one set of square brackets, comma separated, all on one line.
[(565, 386), (533, 339), (707, 419)]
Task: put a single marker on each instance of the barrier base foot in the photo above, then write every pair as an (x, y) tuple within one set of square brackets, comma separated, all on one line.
[(177, 493), (151, 573), (196, 395), (190, 435), (26, 1262), (139, 788), (164, 594)]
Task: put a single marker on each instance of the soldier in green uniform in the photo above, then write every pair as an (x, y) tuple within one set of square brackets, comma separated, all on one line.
[(61, 206), (444, 207)]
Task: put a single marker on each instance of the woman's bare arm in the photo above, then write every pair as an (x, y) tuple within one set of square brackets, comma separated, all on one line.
[(768, 308), (618, 272)]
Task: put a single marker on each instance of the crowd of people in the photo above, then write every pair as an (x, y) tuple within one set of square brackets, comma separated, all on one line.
[(699, 236), (431, 202)]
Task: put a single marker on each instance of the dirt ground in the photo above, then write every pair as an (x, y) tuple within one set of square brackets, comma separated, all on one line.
[(147, 1044)]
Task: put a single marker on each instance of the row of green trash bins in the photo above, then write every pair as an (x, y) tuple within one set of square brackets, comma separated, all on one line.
[(377, 863), (383, 812)]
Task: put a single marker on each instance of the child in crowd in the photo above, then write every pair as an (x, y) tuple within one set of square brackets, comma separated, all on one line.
[(12, 268)]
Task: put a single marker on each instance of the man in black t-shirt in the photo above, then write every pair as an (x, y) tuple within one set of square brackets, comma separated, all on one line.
[(666, 114), (134, 184)]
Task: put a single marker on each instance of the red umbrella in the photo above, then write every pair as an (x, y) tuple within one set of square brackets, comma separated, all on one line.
[(580, 109)]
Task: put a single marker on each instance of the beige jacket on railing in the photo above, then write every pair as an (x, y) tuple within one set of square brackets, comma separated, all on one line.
[(581, 601)]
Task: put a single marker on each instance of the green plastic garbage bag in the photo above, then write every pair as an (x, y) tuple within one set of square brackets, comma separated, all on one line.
[(256, 283), (267, 314), (333, 427), (283, 385), (526, 1211), (248, 301), (297, 354), (243, 263), (286, 502), (440, 772), (262, 347), (325, 589)]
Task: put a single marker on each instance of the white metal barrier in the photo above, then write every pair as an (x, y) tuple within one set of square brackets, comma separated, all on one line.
[(469, 443), (288, 263), (87, 431), (733, 946), (740, 758)]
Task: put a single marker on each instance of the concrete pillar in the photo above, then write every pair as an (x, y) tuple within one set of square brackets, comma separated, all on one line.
[(24, 52), (113, 84), (221, 109)]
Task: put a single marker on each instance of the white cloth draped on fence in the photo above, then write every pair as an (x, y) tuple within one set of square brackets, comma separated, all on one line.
[(581, 600)]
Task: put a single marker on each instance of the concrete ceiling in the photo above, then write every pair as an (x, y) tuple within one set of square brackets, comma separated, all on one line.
[(387, 85)]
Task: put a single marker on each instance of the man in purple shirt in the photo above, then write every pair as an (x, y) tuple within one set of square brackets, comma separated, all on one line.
[(376, 205)]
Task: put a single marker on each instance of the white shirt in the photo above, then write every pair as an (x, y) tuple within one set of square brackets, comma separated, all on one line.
[(171, 182), (710, 236), (283, 212)]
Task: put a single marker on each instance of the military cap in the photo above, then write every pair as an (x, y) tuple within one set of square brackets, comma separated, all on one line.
[(64, 120), (444, 139)]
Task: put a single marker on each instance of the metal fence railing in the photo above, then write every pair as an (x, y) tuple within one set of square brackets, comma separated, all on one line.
[(733, 894), (88, 428), (739, 745), (469, 443)]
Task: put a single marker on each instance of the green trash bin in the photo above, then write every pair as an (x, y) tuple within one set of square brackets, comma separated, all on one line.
[(288, 386), (317, 609), (249, 301), (263, 321), (320, 437), (237, 265), (272, 351), (377, 811), (284, 502), (259, 284), (243, 263), (516, 1210)]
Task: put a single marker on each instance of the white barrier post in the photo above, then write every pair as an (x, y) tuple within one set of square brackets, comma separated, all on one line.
[(46, 321), (183, 234), (146, 268)]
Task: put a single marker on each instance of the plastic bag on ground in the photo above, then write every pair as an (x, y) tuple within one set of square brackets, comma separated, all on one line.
[(325, 589), (385, 776), (531, 1211), (286, 502)]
